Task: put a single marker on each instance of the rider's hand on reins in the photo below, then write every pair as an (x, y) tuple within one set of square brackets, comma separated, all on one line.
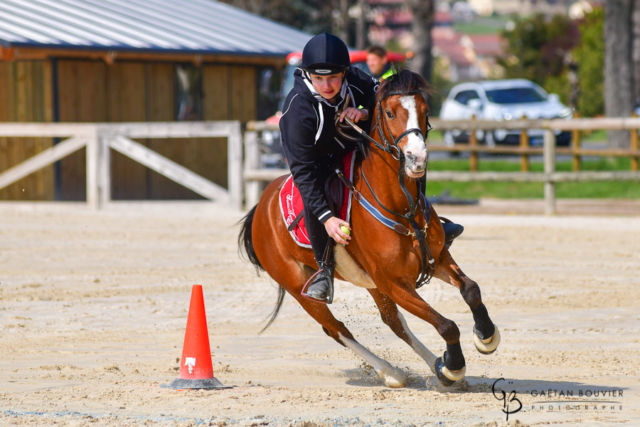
[(332, 225), (354, 114)]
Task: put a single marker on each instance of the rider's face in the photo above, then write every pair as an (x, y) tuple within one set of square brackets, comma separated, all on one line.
[(375, 63), (327, 86)]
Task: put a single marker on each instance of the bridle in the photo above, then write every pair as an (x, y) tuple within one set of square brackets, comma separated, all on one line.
[(381, 125), (428, 262)]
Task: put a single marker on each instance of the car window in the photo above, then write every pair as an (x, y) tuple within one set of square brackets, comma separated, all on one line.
[(362, 66), (519, 95), (465, 96)]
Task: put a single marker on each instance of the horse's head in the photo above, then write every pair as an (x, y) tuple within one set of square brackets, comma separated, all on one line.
[(402, 118)]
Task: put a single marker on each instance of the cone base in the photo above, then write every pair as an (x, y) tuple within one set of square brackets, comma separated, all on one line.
[(206, 384)]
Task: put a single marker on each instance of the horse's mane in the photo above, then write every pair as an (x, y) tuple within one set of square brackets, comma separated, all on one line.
[(403, 81)]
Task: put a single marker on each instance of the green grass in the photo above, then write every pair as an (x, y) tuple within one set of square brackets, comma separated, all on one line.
[(435, 135), (527, 190), (596, 135), (515, 190), (481, 25), (488, 165)]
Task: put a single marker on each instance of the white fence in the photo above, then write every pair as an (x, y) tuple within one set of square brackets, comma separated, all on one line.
[(253, 175), (100, 138)]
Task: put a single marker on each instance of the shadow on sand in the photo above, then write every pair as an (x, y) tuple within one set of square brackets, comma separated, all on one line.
[(534, 390)]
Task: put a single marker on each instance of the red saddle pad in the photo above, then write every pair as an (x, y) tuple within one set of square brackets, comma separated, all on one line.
[(291, 203)]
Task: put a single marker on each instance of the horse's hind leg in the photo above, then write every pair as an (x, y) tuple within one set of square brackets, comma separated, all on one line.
[(486, 335), (269, 240), (392, 377), (395, 320), (292, 276)]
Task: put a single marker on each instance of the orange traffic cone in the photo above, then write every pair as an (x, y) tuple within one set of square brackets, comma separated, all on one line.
[(196, 370)]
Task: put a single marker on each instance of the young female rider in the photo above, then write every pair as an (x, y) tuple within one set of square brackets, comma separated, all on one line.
[(311, 144)]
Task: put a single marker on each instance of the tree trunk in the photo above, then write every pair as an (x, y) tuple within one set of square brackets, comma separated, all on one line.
[(423, 16), (361, 26), (618, 69), (344, 21), (635, 25)]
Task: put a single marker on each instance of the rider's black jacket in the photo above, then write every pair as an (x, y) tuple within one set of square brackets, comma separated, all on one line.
[(309, 138)]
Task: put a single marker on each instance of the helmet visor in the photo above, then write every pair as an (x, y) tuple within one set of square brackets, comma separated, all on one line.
[(324, 69)]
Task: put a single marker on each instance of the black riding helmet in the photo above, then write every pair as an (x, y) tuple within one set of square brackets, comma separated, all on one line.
[(325, 54)]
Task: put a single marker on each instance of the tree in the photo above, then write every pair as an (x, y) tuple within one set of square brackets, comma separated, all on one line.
[(539, 49), (589, 55), (618, 69), (312, 16), (635, 25), (423, 16)]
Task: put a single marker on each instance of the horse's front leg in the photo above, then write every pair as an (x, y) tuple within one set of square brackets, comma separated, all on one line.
[(451, 367), (486, 335)]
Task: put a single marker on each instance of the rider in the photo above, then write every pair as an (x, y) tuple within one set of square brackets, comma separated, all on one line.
[(322, 84), (378, 63)]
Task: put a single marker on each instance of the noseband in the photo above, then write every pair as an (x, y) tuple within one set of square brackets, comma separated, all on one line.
[(428, 262), (389, 147)]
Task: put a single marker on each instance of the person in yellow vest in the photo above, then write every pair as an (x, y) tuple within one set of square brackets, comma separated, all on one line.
[(378, 63)]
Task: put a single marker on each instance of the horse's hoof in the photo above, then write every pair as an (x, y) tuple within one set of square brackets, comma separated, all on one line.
[(447, 377), (489, 345), (393, 377)]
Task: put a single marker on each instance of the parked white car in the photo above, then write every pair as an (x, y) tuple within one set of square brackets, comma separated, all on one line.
[(503, 100)]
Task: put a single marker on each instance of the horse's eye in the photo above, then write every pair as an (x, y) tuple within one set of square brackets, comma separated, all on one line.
[(389, 114)]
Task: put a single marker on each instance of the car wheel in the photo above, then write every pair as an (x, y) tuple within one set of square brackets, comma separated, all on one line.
[(489, 139), (563, 139)]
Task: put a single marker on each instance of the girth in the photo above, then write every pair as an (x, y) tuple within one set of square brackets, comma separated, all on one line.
[(428, 262)]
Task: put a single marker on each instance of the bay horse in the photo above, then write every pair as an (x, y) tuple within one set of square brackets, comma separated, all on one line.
[(389, 261)]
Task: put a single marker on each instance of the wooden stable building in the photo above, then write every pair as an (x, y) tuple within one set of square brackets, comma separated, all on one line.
[(139, 61)]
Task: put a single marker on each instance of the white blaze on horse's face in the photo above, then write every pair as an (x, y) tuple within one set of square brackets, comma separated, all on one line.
[(415, 150)]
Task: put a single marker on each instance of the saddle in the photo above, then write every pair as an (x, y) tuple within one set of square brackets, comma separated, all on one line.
[(333, 192), (338, 199)]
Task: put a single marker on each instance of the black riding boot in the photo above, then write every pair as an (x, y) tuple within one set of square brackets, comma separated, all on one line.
[(321, 287), (451, 231)]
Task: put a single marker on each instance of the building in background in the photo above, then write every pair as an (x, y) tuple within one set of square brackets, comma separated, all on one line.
[(519, 7), (461, 56), (133, 61)]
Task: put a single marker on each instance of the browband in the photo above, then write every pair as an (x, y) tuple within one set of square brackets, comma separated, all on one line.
[(411, 92)]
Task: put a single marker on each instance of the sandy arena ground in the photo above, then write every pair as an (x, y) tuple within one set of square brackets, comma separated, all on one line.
[(93, 308)]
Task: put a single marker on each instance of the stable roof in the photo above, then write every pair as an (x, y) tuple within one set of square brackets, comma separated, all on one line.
[(163, 26)]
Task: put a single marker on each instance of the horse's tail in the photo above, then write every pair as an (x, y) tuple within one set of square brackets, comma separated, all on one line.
[(245, 241), (276, 309)]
